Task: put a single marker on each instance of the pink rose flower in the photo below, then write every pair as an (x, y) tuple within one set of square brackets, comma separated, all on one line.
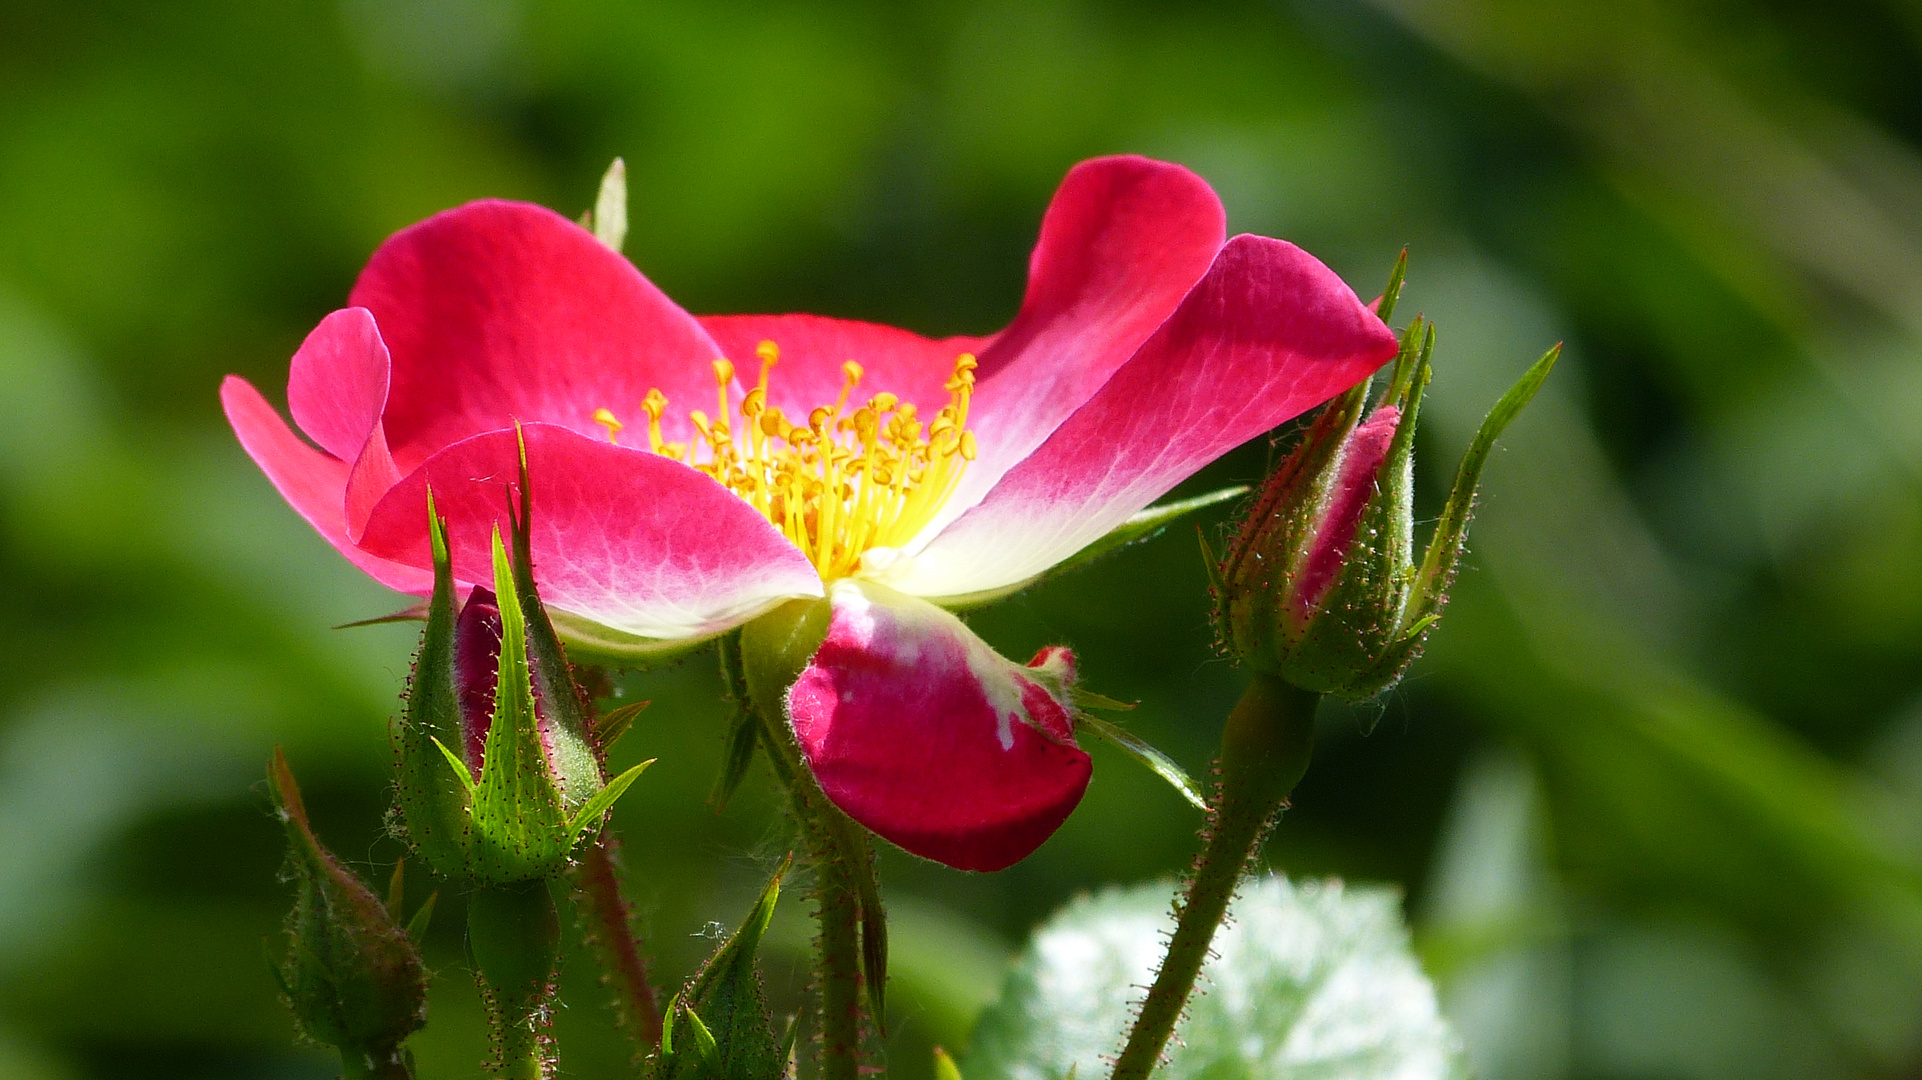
[(886, 474)]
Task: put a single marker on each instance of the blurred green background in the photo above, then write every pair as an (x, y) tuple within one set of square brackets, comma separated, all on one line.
[(1655, 795)]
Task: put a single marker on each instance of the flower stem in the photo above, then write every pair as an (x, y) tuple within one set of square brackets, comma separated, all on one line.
[(1264, 751), (837, 906), (514, 937), (610, 925)]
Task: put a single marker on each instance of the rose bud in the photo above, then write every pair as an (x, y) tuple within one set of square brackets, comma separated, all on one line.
[(1319, 586)]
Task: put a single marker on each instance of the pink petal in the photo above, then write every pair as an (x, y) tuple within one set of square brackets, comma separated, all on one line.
[(813, 349), (1361, 457), (1268, 334), (1123, 241), (310, 481), (625, 538), (501, 311), (372, 476), (337, 384), (923, 733)]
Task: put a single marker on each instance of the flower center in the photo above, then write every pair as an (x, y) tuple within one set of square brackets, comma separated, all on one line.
[(841, 483)]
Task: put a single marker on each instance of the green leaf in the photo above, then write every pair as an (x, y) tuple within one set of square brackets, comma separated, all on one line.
[(610, 207), (1135, 747), (603, 800), (1307, 982), (944, 1066), (741, 741)]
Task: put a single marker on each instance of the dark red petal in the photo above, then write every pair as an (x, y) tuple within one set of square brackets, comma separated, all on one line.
[(477, 658), (501, 311), (626, 538), (310, 481), (1268, 334), (813, 348), (337, 383), (923, 733)]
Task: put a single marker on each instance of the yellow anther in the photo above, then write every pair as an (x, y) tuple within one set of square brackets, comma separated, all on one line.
[(845, 482), (607, 420)]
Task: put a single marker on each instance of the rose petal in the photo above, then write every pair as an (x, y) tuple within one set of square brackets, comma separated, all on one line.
[(923, 733), (501, 311), (337, 383), (310, 481), (622, 537), (814, 347), (1361, 458), (1268, 334), (373, 475), (1123, 241)]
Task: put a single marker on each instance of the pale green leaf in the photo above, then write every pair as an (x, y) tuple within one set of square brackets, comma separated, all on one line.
[(1308, 982)]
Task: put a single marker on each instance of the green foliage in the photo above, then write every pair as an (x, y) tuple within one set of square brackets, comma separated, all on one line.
[(1309, 981)]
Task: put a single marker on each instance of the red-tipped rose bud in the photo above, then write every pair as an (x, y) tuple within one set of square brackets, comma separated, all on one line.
[(1320, 587), (499, 776)]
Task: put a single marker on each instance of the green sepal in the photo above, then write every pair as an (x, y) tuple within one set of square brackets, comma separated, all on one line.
[(520, 824), (703, 1038), (617, 722), (351, 975), (1386, 308), (417, 926), (944, 1066), (743, 736), (723, 1010), (576, 754), (1143, 525), (589, 816), (608, 219), (433, 801), (1138, 748), (1429, 592)]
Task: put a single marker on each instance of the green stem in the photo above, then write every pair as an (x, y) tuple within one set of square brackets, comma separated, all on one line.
[(1264, 751), (514, 936), (837, 903), (375, 1065), (611, 926)]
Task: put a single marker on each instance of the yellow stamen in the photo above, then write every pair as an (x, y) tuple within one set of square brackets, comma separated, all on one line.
[(845, 481), (606, 420)]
